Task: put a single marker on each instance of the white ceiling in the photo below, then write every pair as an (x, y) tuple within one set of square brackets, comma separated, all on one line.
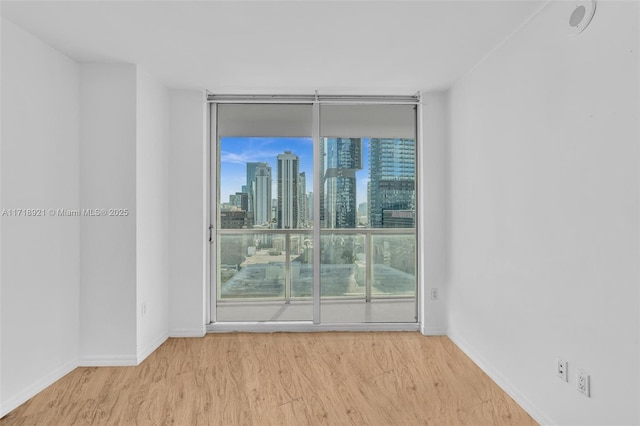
[(280, 47)]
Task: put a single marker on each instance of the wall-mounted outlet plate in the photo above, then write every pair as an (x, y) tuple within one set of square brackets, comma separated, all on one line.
[(582, 377), (561, 369), (434, 294)]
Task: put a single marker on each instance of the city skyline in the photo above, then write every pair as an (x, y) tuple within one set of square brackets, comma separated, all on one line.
[(236, 152), (376, 172)]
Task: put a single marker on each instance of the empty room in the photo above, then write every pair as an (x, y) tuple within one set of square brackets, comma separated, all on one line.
[(320, 212)]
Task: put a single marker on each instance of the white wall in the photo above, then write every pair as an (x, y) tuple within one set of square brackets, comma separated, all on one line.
[(544, 215), (152, 208), (93, 136), (187, 217), (124, 258), (433, 198), (40, 255), (108, 244)]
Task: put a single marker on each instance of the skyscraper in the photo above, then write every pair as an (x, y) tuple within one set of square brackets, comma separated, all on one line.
[(392, 171), (262, 194), (250, 189), (288, 175), (302, 200), (340, 159), (251, 175), (239, 200)]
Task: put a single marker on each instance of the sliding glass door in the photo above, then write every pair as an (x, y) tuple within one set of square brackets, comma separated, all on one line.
[(264, 225), (315, 213), (367, 213)]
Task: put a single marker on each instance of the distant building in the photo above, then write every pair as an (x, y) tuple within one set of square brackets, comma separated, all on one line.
[(251, 175), (240, 200), (398, 218), (274, 210), (233, 219), (392, 174), (363, 211), (302, 200), (262, 194), (288, 175), (340, 159), (310, 206)]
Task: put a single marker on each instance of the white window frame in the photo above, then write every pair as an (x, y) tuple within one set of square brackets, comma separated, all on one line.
[(213, 195)]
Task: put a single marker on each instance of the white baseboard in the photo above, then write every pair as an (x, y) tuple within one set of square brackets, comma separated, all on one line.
[(501, 381), (433, 331), (144, 353), (187, 332), (37, 387), (109, 361)]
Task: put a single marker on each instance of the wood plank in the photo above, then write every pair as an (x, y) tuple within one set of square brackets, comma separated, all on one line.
[(382, 378)]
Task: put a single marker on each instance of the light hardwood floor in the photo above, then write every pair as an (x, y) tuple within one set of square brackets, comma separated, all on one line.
[(383, 378)]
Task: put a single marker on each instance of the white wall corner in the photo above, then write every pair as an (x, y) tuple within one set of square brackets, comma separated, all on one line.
[(143, 353), (37, 387), (501, 381), (544, 210), (433, 222)]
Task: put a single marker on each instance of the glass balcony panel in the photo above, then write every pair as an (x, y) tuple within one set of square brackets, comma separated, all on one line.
[(253, 278), (393, 259), (342, 266), (252, 266), (301, 255)]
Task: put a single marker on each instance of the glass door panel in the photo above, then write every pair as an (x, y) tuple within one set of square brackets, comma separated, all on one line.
[(264, 234), (363, 212), (367, 214)]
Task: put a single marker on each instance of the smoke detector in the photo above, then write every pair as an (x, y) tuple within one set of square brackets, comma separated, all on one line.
[(580, 15)]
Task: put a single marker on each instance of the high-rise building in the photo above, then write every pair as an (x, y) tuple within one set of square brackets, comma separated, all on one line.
[(262, 194), (250, 187), (288, 175), (233, 219), (340, 159), (239, 200), (302, 200), (274, 210), (310, 206), (251, 174), (392, 174)]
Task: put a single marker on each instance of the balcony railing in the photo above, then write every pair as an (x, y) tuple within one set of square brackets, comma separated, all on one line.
[(277, 264)]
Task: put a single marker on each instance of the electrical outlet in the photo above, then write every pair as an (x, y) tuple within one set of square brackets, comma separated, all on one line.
[(583, 382), (561, 369), (434, 294)]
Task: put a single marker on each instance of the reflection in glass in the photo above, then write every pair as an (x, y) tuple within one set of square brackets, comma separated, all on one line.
[(392, 188), (394, 265), (301, 249), (340, 160), (342, 265)]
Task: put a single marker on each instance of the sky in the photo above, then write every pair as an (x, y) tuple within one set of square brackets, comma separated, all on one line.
[(236, 152)]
